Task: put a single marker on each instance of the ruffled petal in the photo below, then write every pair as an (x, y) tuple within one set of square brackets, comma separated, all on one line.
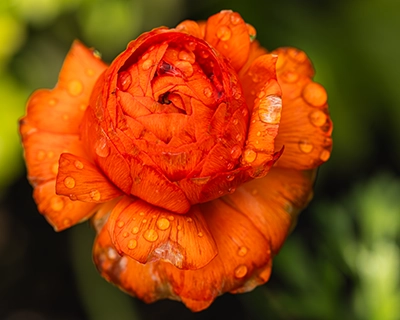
[(306, 128), (60, 211), (64, 106), (79, 179), (148, 233), (228, 33), (273, 202)]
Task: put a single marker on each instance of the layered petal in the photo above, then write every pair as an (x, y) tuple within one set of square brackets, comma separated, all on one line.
[(148, 233), (305, 129)]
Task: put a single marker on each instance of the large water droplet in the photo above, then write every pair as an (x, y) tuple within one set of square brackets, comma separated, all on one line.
[(242, 251), (75, 88), (235, 18), (325, 155), (120, 224), (95, 195), (270, 109), (150, 235), (315, 94), (147, 64), (318, 118), (69, 182), (185, 67), (132, 244), (305, 146), (163, 224), (236, 151), (240, 271), (78, 164), (250, 155), (101, 148), (135, 230), (207, 92), (187, 56), (224, 33), (124, 80)]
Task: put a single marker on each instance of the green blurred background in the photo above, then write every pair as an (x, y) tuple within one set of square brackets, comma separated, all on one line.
[(341, 262)]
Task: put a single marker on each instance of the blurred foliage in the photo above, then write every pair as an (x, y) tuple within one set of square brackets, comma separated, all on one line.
[(342, 261)]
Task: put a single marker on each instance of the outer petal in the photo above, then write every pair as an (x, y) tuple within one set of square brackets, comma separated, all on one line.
[(147, 233), (273, 202), (228, 33), (306, 128), (60, 211), (64, 106), (81, 180)]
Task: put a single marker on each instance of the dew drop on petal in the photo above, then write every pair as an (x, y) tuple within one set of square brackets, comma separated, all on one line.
[(187, 56), (101, 148), (135, 230), (75, 88), (120, 224), (67, 222), (185, 67), (56, 203), (95, 195), (224, 33), (318, 118), (179, 227), (73, 197), (230, 177), (242, 251), (250, 155), (78, 164), (163, 224), (305, 146), (289, 77), (150, 235), (41, 155), (236, 151), (132, 243), (325, 155), (235, 121), (270, 109), (240, 271), (124, 80), (125, 234), (200, 234), (207, 92), (147, 64), (69, 182), (315, 94), (235, 18), (239, 137), (144, 221), (171, 218), (189, 220)]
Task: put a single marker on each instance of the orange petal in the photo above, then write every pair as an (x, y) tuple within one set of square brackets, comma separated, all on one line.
[(256, 50), (228, 33), (64, 106), (81, 180), (273, 202), (60, 211), (191, 27), (42, 152), (148, 233), (306, 128), (145, 281)]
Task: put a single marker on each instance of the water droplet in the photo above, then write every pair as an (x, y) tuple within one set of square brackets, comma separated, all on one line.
[(111, 253), (150, 235), (144, 221), (236, 151), (189, 220), (200, 234), (235, 121), (204, 54), (187, 56), (224, 33), (315, 94), (56, 203), (261, 94), (318, 118), (237, 95), (147, 64), (78, 164), (240, 271), (171, 218), (235, 18), (250, 155), (185, 67), (95, 195), (124, 80), (191, 46), (239, 137), (297, 55), (179, 227), (305, 146), (125, 234), (252, 32), (163, 224), (135, 230), (258, 133), (242, 251), (120, 224), (289, 77), (270, 109), (325, 155), (256, 77), (230, 165), (67, 222), (73, 197), (132, 244), (141, 213), (200, 180), (145, 56), (69, 182), (101, 148), (207, 92), (75, 88)]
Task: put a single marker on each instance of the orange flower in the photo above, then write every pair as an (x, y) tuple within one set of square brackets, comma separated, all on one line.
[(156, 148)]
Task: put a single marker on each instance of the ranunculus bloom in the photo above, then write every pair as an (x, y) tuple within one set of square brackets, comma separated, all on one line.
[(193, 153)]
